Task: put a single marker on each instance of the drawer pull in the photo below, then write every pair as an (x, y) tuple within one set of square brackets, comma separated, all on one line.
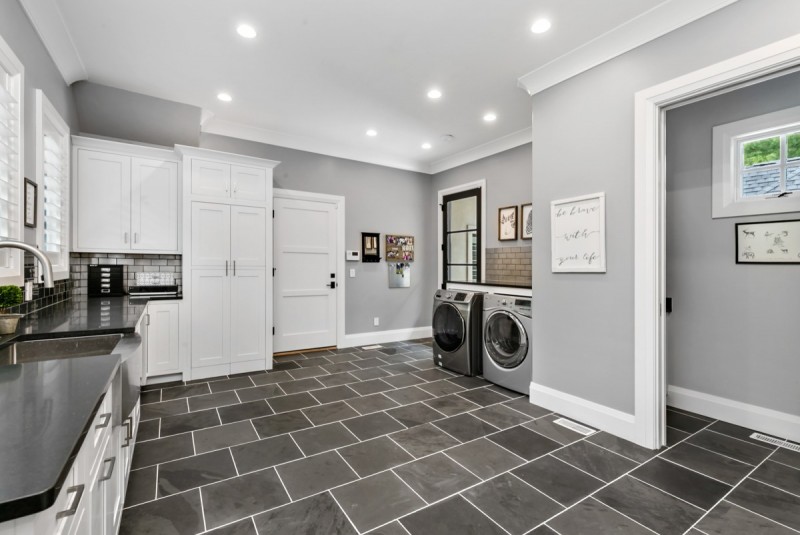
[(78, 490), (112, 461), (105, 419), (128, 437)]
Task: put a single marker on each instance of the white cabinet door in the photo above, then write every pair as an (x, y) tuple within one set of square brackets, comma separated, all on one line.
[(305, 250), (154, 205), (248, 236), (249, 183), (210, 324), (211, 179), (211, 232), (163, 347), (102, 214), (248, 315)]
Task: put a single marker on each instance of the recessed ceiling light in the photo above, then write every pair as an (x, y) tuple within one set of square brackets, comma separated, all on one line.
[(541, 26), (426, 146), (434, 94), (246, 31), (224, 97), (490, 117), (372, 132)]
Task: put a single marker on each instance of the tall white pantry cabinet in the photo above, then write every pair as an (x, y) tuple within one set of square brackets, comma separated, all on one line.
[(227, 263)]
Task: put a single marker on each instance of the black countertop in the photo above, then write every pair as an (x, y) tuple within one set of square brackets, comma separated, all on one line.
[(47, 408), (495, 284), (81, 316)]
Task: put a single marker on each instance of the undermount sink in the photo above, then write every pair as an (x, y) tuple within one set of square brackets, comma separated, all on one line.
[(59, 348)]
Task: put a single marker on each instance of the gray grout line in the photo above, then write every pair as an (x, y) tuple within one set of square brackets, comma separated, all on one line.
[(540, 491), (202, 510), (492, 520), (578, 468), (684, 500), (353, 524), (784, 464), (685, 441), (695, 471), (759, 515), (733, 488), (734, 438), (233, 459), (773, 486)]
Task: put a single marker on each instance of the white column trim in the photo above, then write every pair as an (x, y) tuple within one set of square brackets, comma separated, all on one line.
[(649, 218)]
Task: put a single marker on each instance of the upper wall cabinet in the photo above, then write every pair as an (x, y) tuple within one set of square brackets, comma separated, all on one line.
[(227, 181), (126, 198)]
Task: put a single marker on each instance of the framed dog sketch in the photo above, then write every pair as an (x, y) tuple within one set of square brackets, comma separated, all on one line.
[(768, 242)]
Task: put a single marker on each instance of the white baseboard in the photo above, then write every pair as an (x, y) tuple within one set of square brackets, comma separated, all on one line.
[(586, 412), (381, 337), (768, 421)]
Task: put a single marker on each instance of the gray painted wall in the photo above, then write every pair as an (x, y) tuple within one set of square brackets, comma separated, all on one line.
[(507, 184), (733, 332), (377, 199), (583, 143), (116, 113), (40, 73)]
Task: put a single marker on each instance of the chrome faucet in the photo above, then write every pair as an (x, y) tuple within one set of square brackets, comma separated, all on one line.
[(47, 267)]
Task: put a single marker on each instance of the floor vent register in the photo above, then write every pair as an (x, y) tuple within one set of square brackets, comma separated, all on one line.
[(776, 442)]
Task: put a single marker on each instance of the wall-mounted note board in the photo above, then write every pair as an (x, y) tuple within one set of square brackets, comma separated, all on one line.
[(578, 241)]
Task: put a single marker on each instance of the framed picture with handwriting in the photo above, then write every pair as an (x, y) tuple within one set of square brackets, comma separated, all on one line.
[(578, 242)]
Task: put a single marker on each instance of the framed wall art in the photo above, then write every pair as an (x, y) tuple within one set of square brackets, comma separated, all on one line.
[(507, 223), (578, 242), (370, 247), (526, 221), (30, 203), (399, 248), (768, 242)]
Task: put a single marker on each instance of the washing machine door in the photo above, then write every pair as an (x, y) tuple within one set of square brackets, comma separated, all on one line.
[(505, 339), (449, 330)]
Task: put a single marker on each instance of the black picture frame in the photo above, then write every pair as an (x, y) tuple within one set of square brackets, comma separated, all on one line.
[(31, 191), (370, 247), (753, 242)]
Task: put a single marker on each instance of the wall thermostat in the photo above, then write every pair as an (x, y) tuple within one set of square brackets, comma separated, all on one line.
[(353, 256)]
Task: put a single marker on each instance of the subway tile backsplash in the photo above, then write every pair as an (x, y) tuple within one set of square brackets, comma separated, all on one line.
[(508, 265), (134, 263)]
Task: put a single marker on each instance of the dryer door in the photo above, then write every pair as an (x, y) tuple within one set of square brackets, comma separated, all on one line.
[(448, 327), (505, 339)]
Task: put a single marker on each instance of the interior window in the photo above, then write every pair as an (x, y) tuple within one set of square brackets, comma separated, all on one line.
[(461, 232)]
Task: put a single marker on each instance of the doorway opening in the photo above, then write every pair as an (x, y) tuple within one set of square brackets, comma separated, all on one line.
[(651, 106)]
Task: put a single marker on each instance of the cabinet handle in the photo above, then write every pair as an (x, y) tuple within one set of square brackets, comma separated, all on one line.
[(113, 461), (234, 268), (226, 268), (106, 418), (135, 237), (125, 237), (128, 436), (78, 490)]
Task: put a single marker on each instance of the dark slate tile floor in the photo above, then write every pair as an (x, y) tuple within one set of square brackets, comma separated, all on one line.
[(381, 441)]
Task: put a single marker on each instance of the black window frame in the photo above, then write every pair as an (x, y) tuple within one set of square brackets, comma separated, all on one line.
[(478, 194)]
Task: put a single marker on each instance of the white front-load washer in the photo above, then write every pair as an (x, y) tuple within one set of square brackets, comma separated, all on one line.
[(506, 347)]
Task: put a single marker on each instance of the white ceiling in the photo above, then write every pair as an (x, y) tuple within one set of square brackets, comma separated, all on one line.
[(321, 72)]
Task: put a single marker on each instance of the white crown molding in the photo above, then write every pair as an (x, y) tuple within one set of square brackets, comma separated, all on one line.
[(501, 144), (662, 19), (292, 141), (52, 29), (227, 157)]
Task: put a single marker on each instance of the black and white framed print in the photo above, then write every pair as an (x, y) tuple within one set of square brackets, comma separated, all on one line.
[(768, 242), (526, 221), (30, 203), (507, 223)]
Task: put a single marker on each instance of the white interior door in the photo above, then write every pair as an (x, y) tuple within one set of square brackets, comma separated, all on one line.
[(305, 252)]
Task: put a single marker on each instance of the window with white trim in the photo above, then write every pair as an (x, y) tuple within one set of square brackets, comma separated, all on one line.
[(52, 177), (11, 106), (756, 165)]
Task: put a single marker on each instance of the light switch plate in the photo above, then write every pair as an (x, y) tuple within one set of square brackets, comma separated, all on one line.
[(352, 273)]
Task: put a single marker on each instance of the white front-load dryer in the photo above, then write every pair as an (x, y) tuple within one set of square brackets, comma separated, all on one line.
[(506, 346)]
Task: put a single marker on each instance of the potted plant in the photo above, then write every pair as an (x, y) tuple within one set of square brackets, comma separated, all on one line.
[(10, 296)]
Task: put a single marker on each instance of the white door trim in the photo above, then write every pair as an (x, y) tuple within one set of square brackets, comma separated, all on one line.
[(339, 201), (448, 191), (649, 217)]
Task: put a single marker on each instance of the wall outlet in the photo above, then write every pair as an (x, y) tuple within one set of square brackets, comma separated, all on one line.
[(376, 321), (352, 273)]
